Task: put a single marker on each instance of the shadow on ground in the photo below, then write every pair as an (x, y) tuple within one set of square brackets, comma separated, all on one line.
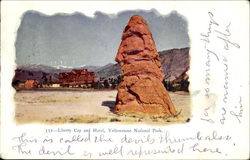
[(110, 104)]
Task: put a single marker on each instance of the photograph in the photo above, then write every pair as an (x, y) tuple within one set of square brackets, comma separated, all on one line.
[(129, 67)]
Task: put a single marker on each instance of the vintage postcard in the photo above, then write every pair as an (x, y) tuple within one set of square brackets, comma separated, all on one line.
[(124, 80)]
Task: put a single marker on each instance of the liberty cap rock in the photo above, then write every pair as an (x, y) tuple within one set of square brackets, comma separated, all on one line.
[(141, 90)]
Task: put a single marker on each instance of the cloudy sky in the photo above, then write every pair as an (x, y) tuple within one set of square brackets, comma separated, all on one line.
[(76, 40)]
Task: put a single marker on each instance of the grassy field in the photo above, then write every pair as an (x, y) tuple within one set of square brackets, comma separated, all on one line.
[(86, 106)]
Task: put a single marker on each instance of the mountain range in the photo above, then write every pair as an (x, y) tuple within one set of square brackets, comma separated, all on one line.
[(175, 63), (54, 69)]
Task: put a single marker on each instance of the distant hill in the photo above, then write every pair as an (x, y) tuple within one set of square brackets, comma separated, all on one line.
[(110, 70), (22, 75), (50, 69), (42, 73), (175, 63), (38, 67)]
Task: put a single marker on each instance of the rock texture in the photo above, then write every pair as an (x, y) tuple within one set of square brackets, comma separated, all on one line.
[(141, 90), (175, 62)]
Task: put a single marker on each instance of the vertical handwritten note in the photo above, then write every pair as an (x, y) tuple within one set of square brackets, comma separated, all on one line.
[(218, 47)]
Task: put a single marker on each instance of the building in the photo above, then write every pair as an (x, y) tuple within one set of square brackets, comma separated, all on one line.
[(31, 84), (42, 78), (76, 78)]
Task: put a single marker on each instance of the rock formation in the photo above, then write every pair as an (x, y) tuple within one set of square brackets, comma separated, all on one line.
[(175, 62), (141, 90)]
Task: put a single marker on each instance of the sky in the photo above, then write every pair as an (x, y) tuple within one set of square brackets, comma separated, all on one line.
[(78, 40)]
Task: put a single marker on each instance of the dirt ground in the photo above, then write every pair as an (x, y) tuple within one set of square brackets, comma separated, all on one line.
[(86, 107)]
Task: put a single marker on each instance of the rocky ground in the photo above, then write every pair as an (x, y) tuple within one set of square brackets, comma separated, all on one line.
[(87, 107)]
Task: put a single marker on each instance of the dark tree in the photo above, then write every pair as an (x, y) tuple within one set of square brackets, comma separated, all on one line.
[(106, 83)]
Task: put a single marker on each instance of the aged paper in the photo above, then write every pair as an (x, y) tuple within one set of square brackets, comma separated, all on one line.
[(218, 126)]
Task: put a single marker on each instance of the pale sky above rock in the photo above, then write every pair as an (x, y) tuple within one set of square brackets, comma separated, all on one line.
[(76, 40)]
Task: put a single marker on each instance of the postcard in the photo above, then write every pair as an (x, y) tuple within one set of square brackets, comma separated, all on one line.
[(124, 80)]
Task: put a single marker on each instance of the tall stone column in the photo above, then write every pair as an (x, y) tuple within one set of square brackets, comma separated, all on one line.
[(141, 90)]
